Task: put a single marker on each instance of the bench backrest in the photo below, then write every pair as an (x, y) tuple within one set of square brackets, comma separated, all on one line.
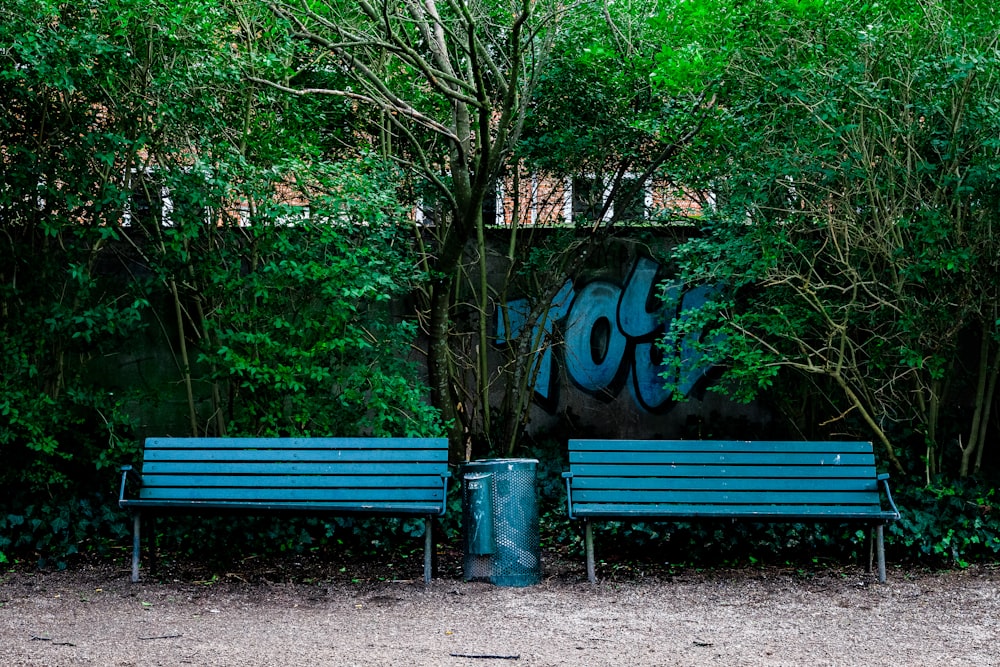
[(378, 475), (694, 478)]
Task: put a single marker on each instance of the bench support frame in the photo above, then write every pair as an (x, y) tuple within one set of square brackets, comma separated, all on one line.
[(870, 514), (874, 537), (588, 530), (136, 527), (180, 470), (137, 531)]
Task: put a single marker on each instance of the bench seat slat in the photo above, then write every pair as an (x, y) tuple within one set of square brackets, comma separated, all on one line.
[(726, 498), (285, 455), (264, 493), (364, 444), (775, 446), (336, 508), (294, 468), (819, 484), (723, 458), (707, 471), (691, 511), (291, 481)]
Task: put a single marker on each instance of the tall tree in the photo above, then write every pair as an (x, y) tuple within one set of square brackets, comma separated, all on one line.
[(856, 207), (145, 184), (443, 88), (67, 140), (447, 89), (598, 113)]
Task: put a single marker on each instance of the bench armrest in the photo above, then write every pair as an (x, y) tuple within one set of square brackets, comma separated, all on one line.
[(445, 476), (884, 479), (568, 476), (128, 473)]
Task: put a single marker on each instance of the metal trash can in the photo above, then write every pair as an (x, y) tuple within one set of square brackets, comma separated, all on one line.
[(500, 517)]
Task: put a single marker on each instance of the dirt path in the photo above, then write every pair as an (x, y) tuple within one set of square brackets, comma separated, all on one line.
[(93, 616)]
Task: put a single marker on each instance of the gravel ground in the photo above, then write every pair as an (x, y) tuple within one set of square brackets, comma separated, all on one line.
[(92, 615)]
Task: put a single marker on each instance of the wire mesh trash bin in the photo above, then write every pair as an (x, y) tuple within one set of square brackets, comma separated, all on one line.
[(500, 517)]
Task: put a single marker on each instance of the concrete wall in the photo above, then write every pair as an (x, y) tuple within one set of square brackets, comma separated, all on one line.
[(600, 372)]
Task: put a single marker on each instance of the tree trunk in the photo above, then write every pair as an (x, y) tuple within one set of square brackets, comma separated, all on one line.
[(969, 451)]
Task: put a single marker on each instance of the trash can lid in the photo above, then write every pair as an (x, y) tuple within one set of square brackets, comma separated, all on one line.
[(501, 465)]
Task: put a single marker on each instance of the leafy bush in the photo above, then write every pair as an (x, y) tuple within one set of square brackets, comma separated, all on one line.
[(948, 523), (54, 533), (293, 319), (122, 184)]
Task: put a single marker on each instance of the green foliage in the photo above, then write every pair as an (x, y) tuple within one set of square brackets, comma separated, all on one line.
[(597, 113), (294, 323), (60, 311), (228, 542), (710, 544), (852, 224), (55, 532), (698, 38), (851, 149), (442, 88), (131, 140), (592, 95), (951, 523)]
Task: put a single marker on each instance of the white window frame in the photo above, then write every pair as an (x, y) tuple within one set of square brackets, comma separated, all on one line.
[(166, 203), (647, 196)]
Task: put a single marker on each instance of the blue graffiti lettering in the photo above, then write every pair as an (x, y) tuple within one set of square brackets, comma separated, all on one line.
[(515, 314), (643, 318), (594, 348), (649, 389), (610, 333), (637, 316)]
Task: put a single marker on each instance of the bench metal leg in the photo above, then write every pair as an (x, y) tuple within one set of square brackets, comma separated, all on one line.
[(879, 532), (428, 549), (588, 537), (135, 546)]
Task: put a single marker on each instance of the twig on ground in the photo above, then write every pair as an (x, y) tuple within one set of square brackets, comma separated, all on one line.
[(36, 638)]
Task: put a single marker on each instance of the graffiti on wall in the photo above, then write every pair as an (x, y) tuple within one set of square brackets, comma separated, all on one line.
[(608, 337)]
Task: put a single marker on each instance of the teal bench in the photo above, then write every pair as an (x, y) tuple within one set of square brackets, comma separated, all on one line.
[(679, 480), (395, 477)]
